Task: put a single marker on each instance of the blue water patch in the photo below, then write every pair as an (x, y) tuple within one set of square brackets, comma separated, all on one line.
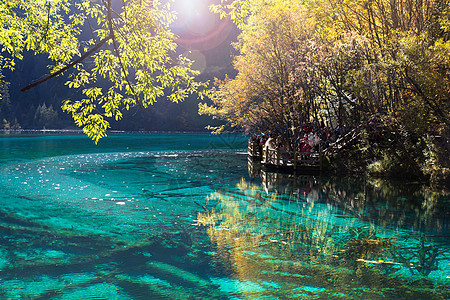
[(173, 216)]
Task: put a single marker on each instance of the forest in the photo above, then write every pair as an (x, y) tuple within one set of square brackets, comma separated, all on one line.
[(379, 68)]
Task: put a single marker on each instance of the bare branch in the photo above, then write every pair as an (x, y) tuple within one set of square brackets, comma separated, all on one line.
[(83, 57)]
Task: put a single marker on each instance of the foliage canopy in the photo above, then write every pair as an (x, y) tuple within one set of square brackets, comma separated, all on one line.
[(342, 62), (119, 55)]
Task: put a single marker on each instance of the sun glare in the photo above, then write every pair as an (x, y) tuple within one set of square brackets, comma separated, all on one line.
[(196, 26), (191, 9), (194, 17)]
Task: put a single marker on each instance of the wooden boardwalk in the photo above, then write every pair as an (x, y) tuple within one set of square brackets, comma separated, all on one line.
[(285, 160), (300, 161)]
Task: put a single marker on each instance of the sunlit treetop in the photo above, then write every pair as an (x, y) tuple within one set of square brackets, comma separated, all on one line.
[(374, 57)]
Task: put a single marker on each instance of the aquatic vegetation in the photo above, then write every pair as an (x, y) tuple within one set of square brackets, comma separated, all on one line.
[(423, 258)]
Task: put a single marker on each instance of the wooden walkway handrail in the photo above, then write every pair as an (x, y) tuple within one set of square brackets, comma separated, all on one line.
[(342, 142), (294, 159), (254, 150), (277, 158)]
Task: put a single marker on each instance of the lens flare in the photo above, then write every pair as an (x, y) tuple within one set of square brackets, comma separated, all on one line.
[(198, 58), (197, 27)]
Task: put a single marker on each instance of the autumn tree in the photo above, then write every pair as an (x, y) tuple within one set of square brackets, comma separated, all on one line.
[(273, 90), (360, 61), (401, 75), (405, 63)]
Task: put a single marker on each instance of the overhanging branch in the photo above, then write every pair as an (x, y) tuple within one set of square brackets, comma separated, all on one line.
[(79, 60)]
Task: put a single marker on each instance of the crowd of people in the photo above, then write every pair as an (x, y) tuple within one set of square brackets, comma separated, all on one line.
[(309, 138)]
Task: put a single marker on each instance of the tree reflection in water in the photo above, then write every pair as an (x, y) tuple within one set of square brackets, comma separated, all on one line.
[(311, 236)]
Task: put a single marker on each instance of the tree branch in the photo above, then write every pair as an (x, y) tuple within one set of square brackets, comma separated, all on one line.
[(87, 18), (83, 57), (436, 109), (116, 49)]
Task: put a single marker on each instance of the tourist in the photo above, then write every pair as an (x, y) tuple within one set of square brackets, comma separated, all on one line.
[(270, 143)]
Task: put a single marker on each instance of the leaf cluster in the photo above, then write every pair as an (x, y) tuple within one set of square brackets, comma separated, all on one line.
[(129, 59)]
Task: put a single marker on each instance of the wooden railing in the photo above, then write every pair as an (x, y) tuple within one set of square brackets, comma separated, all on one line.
[(294, 160), (254, 149), (343, 141), (277, 158)]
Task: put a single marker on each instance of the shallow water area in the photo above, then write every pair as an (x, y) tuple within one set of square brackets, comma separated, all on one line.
[(181, 216)]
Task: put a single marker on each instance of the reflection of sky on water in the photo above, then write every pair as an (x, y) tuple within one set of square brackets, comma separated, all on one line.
[(173, 216)]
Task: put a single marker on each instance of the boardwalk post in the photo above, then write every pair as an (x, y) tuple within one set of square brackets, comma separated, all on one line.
[(295, 160), (260, 153), (278, 157), (320, 158)]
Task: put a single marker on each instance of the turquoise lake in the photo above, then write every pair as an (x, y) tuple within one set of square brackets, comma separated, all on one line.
[(187, 216)]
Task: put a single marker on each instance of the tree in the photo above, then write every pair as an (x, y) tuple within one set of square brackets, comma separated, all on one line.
[(346, 61), (273, 90), (45, 117), (129, 59), (377, 57), (405, 62), (5, 101), (401, 78)]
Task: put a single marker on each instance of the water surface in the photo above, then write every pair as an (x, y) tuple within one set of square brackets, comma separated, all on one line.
[(185, 216)]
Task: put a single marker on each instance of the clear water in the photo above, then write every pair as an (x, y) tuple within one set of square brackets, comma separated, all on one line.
[(179, 216)]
